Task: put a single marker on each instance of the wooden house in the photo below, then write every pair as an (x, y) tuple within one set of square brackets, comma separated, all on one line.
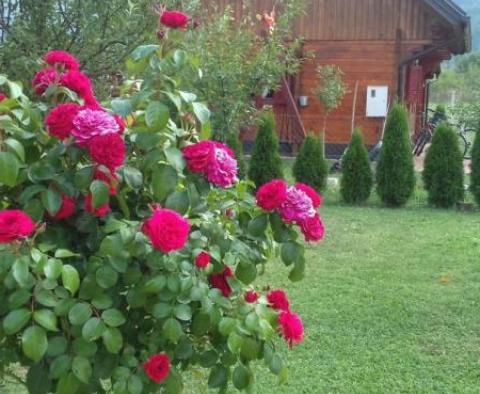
[(387, 50)]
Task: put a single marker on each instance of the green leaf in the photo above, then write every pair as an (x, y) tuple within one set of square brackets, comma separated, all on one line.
[(134, 385), (34, 343), (100, 193), (70, 279), (179, 57), (157, 115), (16, 147), (56, 346), (133, 177), (161, 310), (16, 320), (9, 168), (227, 325), (46, 318), (21, 271), (164, 182), (201, 324), (246, 272), (178, 201), (52, 201), (201, 112), (106, 277), (29, 192), (93, 329), (113, 340), (15, 89), (113, 318), (291, 252), (218, 377), (234, 342), (122, 107), (172, 330), (241, 377), (53, 268), (144, 51), (298, 272), (183, 312), (68, 384), (79, 314), (83, 178), (82, 369), (65, 253), (38, 381), (41, 171), (155, 284), (276, 364), (60, 366), (258, 226), (34, 209)]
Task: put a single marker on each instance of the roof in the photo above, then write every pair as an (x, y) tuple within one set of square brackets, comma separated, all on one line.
[(457, 17)]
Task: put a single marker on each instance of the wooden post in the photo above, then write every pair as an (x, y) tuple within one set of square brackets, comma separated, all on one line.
[(354, 108)]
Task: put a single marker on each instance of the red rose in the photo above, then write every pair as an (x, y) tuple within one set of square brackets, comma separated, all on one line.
[(219, 281), (15, 225), (313, 229), (202, 260), (108, 149), (67, 209), (120, 122), (157, 367), (168, 231), (43, 80), (59, 121), (111, 179), (310, 192), (62, 58), (3, 96), (251, 296), (100, 211), (79, 83), (272, 195), (292, 327), (278, 300), (174, 19), (199, 155)]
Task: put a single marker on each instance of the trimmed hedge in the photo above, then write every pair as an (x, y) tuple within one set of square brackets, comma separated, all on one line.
[(357, 177), (395, 171), (475, 175), (443, 174), (310, 165), (265, 163)]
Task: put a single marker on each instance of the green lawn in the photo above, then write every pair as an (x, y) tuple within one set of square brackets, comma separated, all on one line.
[(390, 304)]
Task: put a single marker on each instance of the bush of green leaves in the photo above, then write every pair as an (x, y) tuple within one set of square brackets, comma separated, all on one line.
[(87, 300)]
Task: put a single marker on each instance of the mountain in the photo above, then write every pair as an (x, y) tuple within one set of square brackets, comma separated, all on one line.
[(472, 8)]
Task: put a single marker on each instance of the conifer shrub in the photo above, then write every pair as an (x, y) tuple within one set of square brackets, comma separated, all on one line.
[(357, 178), (235, 144), (443, 173), (310, 165), (265, 163), (475, 175), (395, 171)]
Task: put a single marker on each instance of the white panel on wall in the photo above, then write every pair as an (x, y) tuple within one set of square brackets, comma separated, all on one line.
[(377, 101)]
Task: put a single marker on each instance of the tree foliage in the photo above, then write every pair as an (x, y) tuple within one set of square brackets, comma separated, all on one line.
[(310, 166), (475, 175), (265, 163), (395, 171), (357, 177), (443, 173)]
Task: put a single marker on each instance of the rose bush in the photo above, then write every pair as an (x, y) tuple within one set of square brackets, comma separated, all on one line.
[(130, 256)]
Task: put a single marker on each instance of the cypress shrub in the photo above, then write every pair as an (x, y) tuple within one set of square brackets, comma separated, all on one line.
[(234, 143), (475, 175), (357, 178), (443, 172), (310, 165), (395, 170), (265, 163)]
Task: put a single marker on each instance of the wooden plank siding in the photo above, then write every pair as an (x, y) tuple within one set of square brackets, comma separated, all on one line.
[(368, 40)]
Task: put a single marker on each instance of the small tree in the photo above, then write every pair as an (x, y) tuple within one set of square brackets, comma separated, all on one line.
[(395, 171), (266, 163), (475, 175), (310, 165), (443, 173), (330, 89), (357, 178), (235, 144)]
